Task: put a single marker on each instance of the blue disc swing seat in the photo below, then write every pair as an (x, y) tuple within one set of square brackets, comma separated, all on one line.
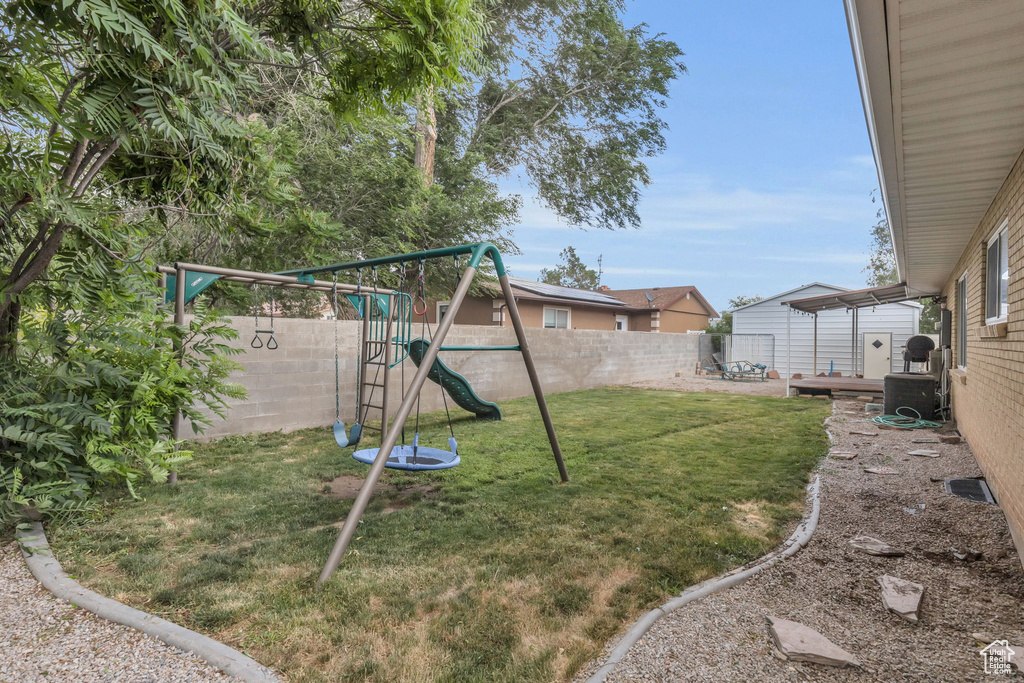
[(415, 457)]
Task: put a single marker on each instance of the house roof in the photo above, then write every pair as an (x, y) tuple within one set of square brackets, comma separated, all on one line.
[(943, 94), (785, 296), (660, 297), (542, 290)]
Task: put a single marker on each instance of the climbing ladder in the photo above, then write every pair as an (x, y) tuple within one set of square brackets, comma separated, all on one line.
[(386, 323)]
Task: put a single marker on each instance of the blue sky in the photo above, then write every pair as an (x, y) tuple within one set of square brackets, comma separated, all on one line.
[(766, 182)]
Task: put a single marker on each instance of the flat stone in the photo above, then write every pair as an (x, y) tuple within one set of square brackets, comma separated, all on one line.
[(925, 439), (874, 546), (860, 433), (881, 470), (873, 407), (803, 644), (949, 438), (842, 455), (864, 399), (924, 453), (901, 597)]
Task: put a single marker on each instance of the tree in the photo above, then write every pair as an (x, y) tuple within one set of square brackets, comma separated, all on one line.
[(571, 100), (881, 268), (122, 122), (124, 119), (724, 324), (571, 272)]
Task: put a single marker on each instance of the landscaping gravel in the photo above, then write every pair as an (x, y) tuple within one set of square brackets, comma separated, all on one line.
[(833, 588), (46, 639)]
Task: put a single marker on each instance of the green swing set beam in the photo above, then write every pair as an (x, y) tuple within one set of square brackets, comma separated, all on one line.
[(476, 252)]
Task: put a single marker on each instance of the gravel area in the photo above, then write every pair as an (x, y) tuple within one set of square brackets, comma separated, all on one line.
[(771, 387), (833, 588), (46, 639)]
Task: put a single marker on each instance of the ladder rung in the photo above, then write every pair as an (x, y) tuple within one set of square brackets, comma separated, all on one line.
[(376, 429), (371, 384), (370, 405)]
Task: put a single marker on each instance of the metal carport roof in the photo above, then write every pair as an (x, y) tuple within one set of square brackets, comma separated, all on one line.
[(856, 298)]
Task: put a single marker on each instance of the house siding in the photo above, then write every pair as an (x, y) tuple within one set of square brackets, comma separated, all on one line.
[(834, 330), (988, 405)]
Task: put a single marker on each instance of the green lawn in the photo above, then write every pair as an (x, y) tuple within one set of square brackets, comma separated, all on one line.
[(492, 571)]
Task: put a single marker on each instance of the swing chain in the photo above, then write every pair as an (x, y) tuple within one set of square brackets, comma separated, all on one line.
[(337, 369), (272, 342), (421, 294), (256, 342)]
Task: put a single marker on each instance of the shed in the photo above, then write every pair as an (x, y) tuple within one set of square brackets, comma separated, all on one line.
[(835, 344)]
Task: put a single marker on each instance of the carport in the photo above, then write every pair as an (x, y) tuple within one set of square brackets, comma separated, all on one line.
[(852, 301)]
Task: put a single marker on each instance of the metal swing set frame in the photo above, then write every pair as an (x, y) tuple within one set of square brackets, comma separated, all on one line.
[(305, 278)]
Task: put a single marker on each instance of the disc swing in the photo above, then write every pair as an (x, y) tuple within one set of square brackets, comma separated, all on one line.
[(413, 456), (352, 438)]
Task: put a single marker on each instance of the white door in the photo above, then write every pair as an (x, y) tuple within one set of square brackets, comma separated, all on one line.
[(877, 354)]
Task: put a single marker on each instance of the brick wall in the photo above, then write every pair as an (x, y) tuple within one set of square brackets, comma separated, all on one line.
[(988, 399), (293, 387)]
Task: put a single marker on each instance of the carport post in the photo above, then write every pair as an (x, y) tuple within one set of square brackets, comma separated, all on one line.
[(815, 373), (789, 345)]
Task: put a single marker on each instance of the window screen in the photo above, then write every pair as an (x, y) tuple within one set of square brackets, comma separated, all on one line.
[(997, 278)]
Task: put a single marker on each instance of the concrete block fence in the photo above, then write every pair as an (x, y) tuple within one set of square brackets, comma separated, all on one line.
[(292, 387)]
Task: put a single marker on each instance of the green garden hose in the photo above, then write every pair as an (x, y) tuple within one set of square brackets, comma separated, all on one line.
[(905, 421)]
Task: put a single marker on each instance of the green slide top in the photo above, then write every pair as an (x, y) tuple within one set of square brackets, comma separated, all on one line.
[(455, 384)]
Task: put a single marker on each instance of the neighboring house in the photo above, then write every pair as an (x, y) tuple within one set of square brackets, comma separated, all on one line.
[(943, 94), (671, 309), (665, 309), (835, 340)]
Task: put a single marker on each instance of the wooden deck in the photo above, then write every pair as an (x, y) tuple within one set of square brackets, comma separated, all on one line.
[(827, 385)]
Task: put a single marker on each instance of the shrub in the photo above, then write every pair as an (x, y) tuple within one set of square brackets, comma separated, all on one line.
[(90, 397)]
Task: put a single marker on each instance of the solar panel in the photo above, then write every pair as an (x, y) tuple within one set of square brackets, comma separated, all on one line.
[(555, 291)]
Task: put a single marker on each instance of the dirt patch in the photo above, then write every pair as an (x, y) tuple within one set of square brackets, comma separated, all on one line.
[(752, 520), (346, 487)]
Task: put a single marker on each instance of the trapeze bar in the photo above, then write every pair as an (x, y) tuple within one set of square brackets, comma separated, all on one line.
[(476, 251)]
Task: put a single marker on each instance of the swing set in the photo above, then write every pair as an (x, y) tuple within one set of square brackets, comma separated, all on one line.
[(386, 342)]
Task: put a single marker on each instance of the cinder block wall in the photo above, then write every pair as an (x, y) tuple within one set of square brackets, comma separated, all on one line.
[(293, 387), (988, 398)]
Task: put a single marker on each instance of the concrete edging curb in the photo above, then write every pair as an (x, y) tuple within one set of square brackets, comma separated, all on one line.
[(800, 537), (47, 570)]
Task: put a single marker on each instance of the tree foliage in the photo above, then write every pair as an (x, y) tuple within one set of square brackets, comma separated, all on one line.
[(122, 122), (881, 268), (724, 324), (571, 272), (571, 99)]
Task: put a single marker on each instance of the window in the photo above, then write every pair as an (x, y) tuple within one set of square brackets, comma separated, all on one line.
[(961, 321), (997, 277), (622, 323), (442, 308), (556, 318)]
